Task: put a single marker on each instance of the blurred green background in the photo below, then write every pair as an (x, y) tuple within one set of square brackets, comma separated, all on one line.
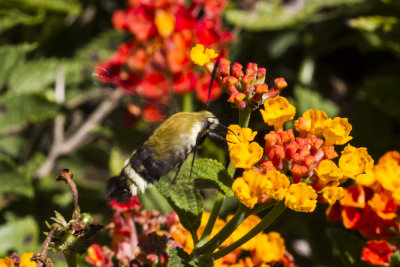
[(338, 55)]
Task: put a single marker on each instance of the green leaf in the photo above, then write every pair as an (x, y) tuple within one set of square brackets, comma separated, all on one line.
[(272, 15), (395, 259), (209, 173), (179, 258), (33, 76), (306, 99), (18, 110), (11, 145), (19, 235), (10, 57), (14, 179), (349, 245), (66, 6), (116, 161), (11, 17)]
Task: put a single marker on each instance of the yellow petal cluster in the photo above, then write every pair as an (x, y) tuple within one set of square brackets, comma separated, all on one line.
[(201, 56), (312, 122), (277, 111), (6, 262), (357, 164), (247, 188), (301, 197), (248, 224), (337, 131), (333, 193), (165, 23), (329, 172), (26, 260), (270, 247), (242, 152), (275, 184), (387, 173)]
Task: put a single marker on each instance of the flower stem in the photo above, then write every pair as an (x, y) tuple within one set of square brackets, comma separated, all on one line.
[(225, 232), (244, 117), (265, 222), (70, 256), (187, 102), (211, 221)]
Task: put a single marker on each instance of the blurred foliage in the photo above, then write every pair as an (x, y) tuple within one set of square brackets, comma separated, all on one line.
[(338, 55)]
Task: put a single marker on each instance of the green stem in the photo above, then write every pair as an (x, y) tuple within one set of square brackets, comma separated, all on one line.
[(70, 257), (225, 232), (265, 222), (187, 102), (244, 117), (211, 221)]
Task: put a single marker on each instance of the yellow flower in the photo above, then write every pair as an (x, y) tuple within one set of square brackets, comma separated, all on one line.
[(26, 260), (357, 164), (270, 247), (246, 188), (245, 155), (332, 193), (165, 23), (6, 262), (238, 134), (328, 172), (248, 224), (337, 131), (312, 122), (275, 184), (200, 56), (301, 197), (388, 175), (277, 112)]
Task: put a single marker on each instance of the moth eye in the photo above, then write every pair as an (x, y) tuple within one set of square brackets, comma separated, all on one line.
[(206, 124)]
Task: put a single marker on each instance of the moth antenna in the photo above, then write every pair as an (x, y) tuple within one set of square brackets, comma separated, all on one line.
[(214, 72), (229, 130)]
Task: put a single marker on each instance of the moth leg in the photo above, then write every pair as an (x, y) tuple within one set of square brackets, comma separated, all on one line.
[(177, 172)]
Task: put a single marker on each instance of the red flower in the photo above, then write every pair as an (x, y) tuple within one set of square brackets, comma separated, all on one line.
[(203, 87), (119, 20), (184, 82), (132, 204), (377, 253), (153, 114), (154, 84)]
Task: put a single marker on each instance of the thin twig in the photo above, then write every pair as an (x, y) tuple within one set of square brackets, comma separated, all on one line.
[(67, 176), (73, 142), (41, 258)]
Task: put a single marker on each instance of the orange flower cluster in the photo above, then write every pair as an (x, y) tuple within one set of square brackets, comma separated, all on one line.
[(156, 62), (371, 206), (299, 169), (264, 248)]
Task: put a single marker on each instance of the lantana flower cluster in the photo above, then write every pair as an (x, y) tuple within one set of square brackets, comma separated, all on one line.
[(149, 244), (246, 88), (299, 169), (265, 249), (156, 63), (371, 207)]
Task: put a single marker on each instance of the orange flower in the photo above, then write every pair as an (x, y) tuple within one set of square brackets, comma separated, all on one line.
[(312, 122), (377, 253), (301, 197), (337, 131), (388, 175), (238, 134), (277, 112), (6, 262), (383, 204)]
